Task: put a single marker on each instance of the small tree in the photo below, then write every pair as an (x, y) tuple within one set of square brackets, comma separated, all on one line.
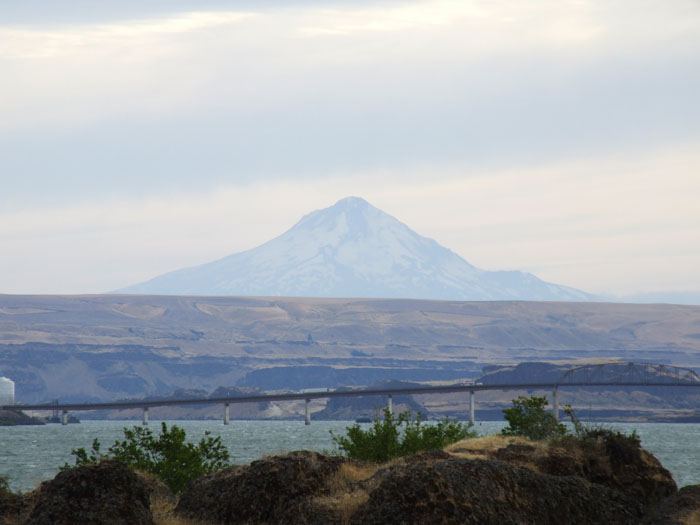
[(392, 437), (378, 443), (168, 456), (529, 417)]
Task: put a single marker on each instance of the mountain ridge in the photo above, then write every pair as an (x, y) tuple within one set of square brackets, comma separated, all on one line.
[(353, 249)]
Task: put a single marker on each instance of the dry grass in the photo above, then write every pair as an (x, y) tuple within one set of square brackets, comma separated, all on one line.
[(346, 492), (343, 505), (484, 447), (356, 471), (693, 518), (163, 511)]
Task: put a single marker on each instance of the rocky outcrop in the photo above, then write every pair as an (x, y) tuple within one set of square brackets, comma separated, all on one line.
[(514, 481), (13, 506), (349, 408), (605, 478), (608, 461), (270, 490), (683, 508), (9, 418), (107, 493), (489, 492)]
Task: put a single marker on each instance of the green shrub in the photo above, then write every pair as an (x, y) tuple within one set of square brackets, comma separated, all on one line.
[(168, 456), (392, 437), (530, 418)]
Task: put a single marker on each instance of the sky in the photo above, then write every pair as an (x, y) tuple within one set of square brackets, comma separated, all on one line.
[(557, 137)]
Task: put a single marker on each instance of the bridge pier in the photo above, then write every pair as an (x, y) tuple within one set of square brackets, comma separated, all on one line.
[(145, 415), (307, 413), (64, 417), (555, 403), (472, 412), (390, 405), (226, 413)]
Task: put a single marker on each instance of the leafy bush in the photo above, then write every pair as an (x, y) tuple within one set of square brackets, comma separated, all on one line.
[(392, 437), (168, 456), (529, 417)]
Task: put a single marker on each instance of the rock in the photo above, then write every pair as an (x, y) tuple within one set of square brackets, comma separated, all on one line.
[(570, 481), (515, 453), (12, 505), (614, 461), (9, 418), (276, 489), (607, 458), (489, 492), (679, 509), (107, 493)]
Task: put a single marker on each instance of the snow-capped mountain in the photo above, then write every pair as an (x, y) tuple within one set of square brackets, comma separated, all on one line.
[(353, 249)]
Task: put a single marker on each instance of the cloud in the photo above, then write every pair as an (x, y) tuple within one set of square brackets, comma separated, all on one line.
[(94, 39), (68, 75), (556, 136)]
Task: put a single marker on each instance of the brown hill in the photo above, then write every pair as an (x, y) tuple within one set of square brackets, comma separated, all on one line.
[(132, 346)]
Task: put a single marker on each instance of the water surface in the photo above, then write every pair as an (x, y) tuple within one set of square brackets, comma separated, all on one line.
[(31, 454)]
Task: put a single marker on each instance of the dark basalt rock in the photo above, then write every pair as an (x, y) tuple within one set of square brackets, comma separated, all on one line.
[(9, 418), (270, 490), (490, 492), (13, 506), (680, 509), (515, 453), (614, 463), (107, 493), (566, 482)]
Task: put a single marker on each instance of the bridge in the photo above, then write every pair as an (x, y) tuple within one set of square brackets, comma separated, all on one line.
[(615, 374)]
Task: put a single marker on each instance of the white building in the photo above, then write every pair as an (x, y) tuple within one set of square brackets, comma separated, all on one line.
[(7, 391)]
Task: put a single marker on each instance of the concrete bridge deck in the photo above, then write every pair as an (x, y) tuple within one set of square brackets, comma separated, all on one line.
[(469, 389)]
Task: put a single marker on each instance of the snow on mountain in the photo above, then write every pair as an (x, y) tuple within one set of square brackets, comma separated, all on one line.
[(353, 249)]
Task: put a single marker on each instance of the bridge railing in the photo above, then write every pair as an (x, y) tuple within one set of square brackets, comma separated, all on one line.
[(609, 374)]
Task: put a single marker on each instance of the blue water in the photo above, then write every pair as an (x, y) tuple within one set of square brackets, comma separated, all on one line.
[(31, 454)]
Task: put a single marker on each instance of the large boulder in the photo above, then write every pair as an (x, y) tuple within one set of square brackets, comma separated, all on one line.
[(604, 457), (489, 492), (107, 493), (613, 460), (271, 490)]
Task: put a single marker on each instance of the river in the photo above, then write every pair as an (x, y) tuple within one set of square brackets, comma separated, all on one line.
[(31, 454)]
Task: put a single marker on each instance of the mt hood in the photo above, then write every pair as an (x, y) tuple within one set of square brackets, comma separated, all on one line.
[(353, 249)]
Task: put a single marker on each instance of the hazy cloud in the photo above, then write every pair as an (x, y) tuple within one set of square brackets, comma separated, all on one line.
[(556, 136)]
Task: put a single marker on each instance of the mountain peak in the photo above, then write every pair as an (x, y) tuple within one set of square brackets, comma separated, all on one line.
[(352, 202), (355, 206), (353, 249)]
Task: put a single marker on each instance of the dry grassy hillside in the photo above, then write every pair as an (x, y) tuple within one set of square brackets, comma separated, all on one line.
[(136, 345)]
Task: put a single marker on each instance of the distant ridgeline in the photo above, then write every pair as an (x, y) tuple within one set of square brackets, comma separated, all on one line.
[(138, 346)]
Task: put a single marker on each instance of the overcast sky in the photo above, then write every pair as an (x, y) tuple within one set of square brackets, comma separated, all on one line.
[(557, 137)]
